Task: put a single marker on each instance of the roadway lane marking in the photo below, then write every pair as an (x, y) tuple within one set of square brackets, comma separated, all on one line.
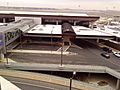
[(29, 84), (36, 52), (65, 48), (9, 60)]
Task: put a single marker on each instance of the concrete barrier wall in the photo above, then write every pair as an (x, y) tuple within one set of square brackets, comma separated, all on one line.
[(69, 68), (6, 85), (112, 72)]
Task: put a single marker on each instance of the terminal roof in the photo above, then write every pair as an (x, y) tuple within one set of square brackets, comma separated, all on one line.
[(57, 29), (80, 30), (46, 29)]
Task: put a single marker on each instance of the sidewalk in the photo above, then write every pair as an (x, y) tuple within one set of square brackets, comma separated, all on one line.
[(40, 51)]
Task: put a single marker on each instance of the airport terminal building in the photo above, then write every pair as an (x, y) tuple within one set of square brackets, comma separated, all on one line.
[(30, 33), (47, 25)]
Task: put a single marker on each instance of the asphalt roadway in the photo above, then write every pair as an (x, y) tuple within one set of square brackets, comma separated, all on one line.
[(27, 84), (87, 54)]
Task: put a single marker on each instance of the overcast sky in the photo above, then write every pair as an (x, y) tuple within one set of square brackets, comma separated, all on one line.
[(73, 4)]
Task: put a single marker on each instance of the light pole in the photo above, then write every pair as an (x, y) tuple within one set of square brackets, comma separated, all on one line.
[(61, 53), (20, 39), (5, 49), (71, 79), (51, 38)]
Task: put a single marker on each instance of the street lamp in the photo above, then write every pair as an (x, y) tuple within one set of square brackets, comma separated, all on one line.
[(20, 39), (61, 53), (71, 79), (51, 38), (5, 51)]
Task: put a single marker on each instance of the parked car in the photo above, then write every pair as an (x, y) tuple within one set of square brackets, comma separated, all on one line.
[(117, 54), (106, 55), (107, 49)]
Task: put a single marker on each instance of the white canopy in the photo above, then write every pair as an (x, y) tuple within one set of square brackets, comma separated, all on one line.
[(80, 30), (46, 29)]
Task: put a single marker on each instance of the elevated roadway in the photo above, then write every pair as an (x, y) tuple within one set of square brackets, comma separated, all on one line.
[(49, 82)]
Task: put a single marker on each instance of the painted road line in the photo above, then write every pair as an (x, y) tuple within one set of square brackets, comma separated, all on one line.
[(40, 52), (9, 60)]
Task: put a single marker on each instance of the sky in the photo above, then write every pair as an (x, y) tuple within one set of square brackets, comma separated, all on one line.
[(61, 4)]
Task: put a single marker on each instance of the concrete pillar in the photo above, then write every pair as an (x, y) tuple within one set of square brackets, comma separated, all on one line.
[(116, 39), (118, 84), (4, 21), (74, 23), (97, 40), (89, 75), (1, 55), (91, 25), (57, 22)]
